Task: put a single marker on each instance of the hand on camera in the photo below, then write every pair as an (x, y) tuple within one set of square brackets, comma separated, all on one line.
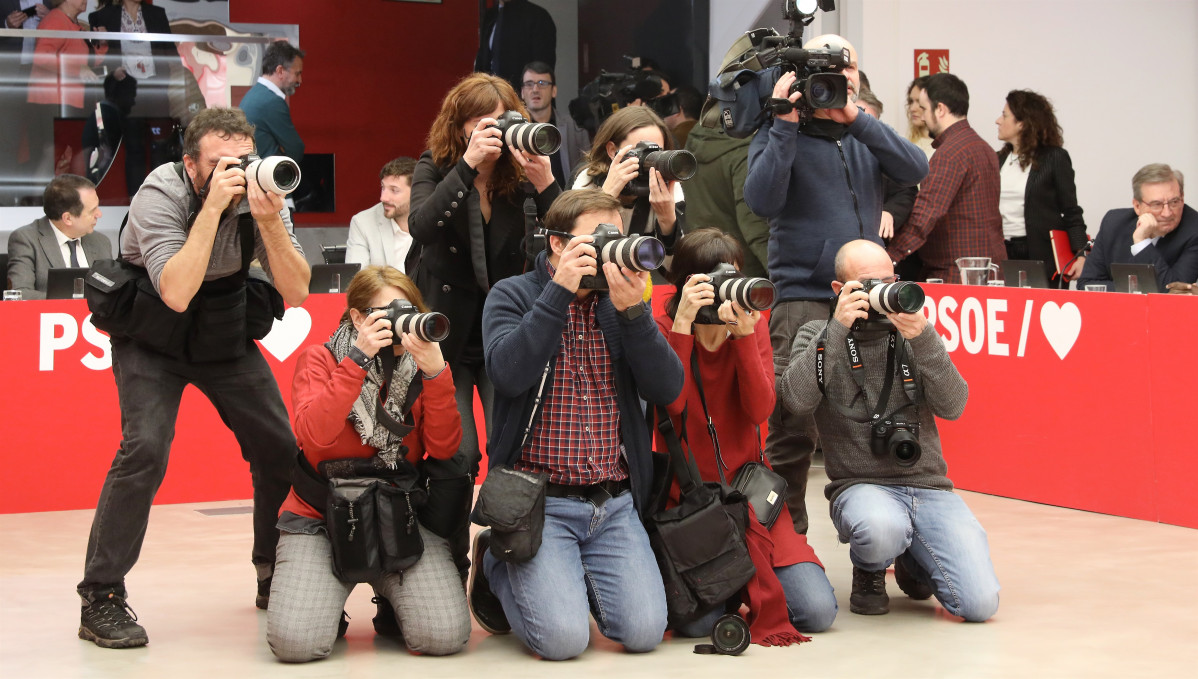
[(661, 199), (910, 325), (486, 144), (622, 171), (782, 91), (374, 333), (852, 304), (740, 322), (697, 292), (266, 206), (577, 260), (625, 286), (427, 354), (536, 168), (228, 182), (846, 115)]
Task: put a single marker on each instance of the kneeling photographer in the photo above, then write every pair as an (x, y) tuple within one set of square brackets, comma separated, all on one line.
[(875, 377), (370, 405), (714, 323)]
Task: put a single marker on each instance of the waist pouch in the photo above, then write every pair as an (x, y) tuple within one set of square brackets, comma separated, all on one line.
[(263, 305), (110, 290), (450, 489), (763, 488), (512, 503)]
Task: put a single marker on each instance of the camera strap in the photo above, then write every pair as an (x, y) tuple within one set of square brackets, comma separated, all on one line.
[(715, 440), (397, 427), (896, 352)]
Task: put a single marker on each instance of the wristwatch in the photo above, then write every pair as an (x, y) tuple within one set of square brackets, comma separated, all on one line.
[(633, 312)]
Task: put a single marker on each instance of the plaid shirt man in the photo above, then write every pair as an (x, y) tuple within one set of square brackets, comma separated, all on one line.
[(956, 212)]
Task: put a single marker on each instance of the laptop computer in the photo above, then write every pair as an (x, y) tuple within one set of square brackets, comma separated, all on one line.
[(60, 282), (1033, 269), (332, 277), (1145, 277)]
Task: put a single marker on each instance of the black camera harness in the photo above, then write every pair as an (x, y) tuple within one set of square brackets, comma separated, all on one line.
[(896, 351)]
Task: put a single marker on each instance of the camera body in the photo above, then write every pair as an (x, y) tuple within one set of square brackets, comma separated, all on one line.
[(276, 174), (818, 78), (752, 294), (897, 437), (678, 165), (639, 253), (899, 297), (405, 317), (540, 139)]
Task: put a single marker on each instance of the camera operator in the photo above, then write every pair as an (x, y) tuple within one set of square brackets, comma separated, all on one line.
[(334, 393), (588, 359), (192, 265), (820, 186), (732, 360), (890, 503)]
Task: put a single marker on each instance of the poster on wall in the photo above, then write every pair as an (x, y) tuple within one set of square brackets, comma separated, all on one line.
[(201, 10), (930, 62)]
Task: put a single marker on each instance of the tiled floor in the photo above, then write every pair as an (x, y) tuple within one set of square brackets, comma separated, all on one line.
[(1084, 595)]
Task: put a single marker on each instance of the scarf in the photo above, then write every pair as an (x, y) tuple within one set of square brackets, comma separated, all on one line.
[(362, 416), (768, 621)]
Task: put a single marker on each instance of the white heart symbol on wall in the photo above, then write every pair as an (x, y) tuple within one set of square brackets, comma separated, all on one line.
[(289, 333), (1061, 326)]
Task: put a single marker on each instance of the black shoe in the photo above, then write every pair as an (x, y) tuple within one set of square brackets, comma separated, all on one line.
[(263, 599), (108, 621), (343, 625), (904, 576), (869, 593), (385, 622), (485, 606)]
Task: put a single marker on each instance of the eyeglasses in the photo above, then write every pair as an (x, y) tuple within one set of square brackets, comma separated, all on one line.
[(539, 84), (1158, 205), (888, 279)]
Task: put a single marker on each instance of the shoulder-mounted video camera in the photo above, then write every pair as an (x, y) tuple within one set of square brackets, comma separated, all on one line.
[(611, 92)]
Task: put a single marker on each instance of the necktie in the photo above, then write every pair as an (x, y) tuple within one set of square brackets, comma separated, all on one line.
[(74, 244), (496, 37)]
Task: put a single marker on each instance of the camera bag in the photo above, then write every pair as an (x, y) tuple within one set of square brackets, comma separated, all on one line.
[(450, 488), (512, 503)]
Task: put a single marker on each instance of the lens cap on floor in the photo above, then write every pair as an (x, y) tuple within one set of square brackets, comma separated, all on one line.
[(705, 649)]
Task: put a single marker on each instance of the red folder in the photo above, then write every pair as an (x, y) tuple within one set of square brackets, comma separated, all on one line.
[(1062, 253)]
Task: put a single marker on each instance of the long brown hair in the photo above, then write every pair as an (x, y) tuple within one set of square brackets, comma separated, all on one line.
[(367, 283), (1039, 125), (478, 94), (914, 132), (616, 128), (700, 252)]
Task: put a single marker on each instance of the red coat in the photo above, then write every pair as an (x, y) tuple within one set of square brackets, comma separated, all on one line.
[(738, 381), (322, 396)]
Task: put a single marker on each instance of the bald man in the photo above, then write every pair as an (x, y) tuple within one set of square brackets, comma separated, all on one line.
[(888, 507), (819, 185)]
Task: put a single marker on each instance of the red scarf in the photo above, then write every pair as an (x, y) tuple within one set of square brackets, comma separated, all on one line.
[(768, 620)]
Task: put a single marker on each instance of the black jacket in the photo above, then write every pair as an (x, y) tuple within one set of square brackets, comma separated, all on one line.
[(461, 257), (1050, 202), (156, 22), (528, 34)]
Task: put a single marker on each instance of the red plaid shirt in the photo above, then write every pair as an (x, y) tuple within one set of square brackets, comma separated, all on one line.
[(956, 212), (577, 436)]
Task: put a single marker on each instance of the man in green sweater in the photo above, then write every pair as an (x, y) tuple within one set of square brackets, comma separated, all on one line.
[(265, 105)]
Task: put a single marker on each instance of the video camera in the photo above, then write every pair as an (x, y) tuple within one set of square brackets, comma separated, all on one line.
[(611, 92), (672, 165), (405, 317), (276, 174), (752, 294), (541, 139)]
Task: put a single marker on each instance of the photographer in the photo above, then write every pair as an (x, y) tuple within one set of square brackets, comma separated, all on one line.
[(334, 394), (820, 185), (187, 225), (890, 502), (732, 360), (467, 211), (577, 362)]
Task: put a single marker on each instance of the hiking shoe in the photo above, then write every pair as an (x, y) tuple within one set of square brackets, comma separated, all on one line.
[(869, 593), (263, 599), (904, 575), (485, 606), (385, 622), (108, 621)]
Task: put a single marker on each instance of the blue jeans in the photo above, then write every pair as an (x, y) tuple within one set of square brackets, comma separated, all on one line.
[(810, 602), (945, 546), (592, 561)]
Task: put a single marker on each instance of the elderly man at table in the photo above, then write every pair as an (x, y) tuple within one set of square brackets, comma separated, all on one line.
[(65, 237), (1158, 229)]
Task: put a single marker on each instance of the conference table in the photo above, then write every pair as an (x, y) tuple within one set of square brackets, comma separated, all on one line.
[(1077, 399)]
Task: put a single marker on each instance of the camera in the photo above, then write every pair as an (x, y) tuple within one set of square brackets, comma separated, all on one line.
[(541, 139), (276, 174), (405, 317), (610, 92), (897, 437), (729, 636), (639, 253), (752, 294), (899, 297), (672, 165), (818, 78)]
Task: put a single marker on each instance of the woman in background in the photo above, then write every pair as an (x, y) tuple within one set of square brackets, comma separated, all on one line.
[(917, 132)]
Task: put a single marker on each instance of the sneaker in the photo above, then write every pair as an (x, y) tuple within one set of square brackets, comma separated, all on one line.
[(869, 593), (904, 575), (263, 599), (485, 606), (108, 621), (385, 622)]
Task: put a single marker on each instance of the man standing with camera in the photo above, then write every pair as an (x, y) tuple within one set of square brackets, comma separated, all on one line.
[(820, 185), (875, 384), (192, 235)]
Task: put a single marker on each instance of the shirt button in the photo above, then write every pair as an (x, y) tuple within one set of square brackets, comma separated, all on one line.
[(439, 223), (460, 194), (453, 204), (584, 398), (448, 213), (453, 249), (580, 337), (445, 288), (586, 429)]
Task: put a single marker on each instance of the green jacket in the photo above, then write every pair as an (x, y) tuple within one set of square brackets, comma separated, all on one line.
[(715, 195)]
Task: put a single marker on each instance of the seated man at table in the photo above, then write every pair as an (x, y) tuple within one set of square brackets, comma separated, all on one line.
[(64, 237), (378, 236), (1158, 229), (890, 498)]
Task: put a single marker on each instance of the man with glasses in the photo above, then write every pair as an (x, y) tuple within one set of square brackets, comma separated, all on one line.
[(1158, 229), (539, 92)]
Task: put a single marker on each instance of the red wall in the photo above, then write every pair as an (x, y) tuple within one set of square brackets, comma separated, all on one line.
[(374, 76)]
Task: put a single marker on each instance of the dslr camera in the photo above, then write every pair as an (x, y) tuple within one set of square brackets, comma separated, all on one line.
[(752, 294), (672, 165), (639, 253), (276, 174), (405, 317), (899, 297), (540, 139), (897, 437)]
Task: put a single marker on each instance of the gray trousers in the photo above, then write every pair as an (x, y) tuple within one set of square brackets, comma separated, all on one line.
[(306, 600)]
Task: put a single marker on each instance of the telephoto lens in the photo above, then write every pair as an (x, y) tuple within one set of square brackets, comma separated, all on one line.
[(677, 165), (404, 317), (900, 297), (639, 253), (541, 139), (752, 294), (276, 174)]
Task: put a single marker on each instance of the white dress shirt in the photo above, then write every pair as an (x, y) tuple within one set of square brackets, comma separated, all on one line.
[(66, 249)]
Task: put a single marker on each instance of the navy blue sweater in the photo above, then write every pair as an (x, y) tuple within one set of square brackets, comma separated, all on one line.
[(523, 321), (797, 182)]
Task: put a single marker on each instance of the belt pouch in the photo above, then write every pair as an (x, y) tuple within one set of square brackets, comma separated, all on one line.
[(399, 532), (512, 503), (350, 519)]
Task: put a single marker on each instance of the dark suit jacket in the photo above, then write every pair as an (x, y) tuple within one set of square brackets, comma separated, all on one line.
[(462, 257), (156, 22), (1175, 256), (1050, 202), (33, 251), (528, 34)]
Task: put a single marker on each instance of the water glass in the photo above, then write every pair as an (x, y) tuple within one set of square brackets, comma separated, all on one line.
[(335, 283), (12, 295), (77, 289), (1023, 282), (1096, 288), (1133, 283)]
